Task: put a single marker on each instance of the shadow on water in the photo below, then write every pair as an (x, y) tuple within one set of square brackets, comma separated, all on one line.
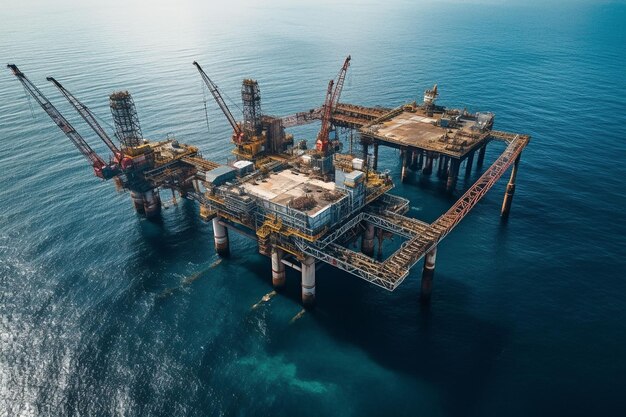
[(442, 343), (168, 241)]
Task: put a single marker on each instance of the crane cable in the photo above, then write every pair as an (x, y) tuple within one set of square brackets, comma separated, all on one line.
[(30, 104), (206, 111)]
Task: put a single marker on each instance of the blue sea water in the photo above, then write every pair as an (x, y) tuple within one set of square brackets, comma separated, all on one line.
[(103, 313)]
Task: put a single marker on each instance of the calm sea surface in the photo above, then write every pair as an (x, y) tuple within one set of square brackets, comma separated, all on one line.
[(103, 313)]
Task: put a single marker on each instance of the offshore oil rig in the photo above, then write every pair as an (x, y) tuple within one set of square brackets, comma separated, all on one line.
[(301, 205)]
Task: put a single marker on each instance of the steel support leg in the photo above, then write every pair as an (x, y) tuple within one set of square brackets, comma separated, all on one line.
[(220, 234), (510, 190), (428, 274)]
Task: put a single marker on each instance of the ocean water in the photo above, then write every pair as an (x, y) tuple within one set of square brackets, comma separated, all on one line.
[(103, 313)]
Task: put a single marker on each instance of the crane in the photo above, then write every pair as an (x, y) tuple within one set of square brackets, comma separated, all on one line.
[(101, 169), (332, 98), (90, 118), (322, 137), (238, 134), (340, 80)]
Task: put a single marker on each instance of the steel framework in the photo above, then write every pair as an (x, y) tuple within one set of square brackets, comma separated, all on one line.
[(251, 98), (125, 117)]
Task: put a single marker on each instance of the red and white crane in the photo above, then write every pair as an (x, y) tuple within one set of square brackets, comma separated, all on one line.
[(332, 98)]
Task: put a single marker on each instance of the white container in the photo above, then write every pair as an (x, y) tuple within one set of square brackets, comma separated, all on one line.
[(243, 167), (357, 163)]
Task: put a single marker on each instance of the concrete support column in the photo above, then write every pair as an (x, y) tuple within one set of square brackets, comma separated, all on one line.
[(440, 164), (405, 156), (413, 162), (453, 172), (375, 162), (137, 201), (308, 282), (220, 234), (151, 204), (428, 166), (420, 159), (367, 241), (445, 163), (510, 190), (428, 273), (481, 156), (278, 268), (446, 167), (469, 163)]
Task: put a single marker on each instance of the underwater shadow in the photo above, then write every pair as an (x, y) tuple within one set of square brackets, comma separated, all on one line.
[(441, 342)]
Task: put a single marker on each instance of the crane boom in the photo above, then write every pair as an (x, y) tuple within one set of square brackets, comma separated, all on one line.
[(88, 116), (332, 98), (238, 132), (100, 167), (322, 137), (340, 80)]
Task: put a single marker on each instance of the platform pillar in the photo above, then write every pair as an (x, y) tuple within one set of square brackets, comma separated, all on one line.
[(420, 159), (365, 151), (481, 156), (152, 204), (413, 164), (428, 274), (428, 166), (278, 268), (220, 234), (442, 170), (137, 201), (510, 190), (405, 158), (367, 241), (375, 162), (308, 282), (439, 165), (453, 172), (468, 164)]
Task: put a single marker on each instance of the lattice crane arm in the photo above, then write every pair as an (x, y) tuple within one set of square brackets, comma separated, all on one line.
[(238, 132), (100, 167), (332, 98), (340, 80), (88, 116), (322, 137)]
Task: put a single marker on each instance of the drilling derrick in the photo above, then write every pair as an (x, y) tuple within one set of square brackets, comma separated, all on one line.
[(251, 98), (262, 129), (125, 118)]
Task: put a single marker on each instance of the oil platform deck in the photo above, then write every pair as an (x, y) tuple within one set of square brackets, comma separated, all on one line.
[(307, 205)]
